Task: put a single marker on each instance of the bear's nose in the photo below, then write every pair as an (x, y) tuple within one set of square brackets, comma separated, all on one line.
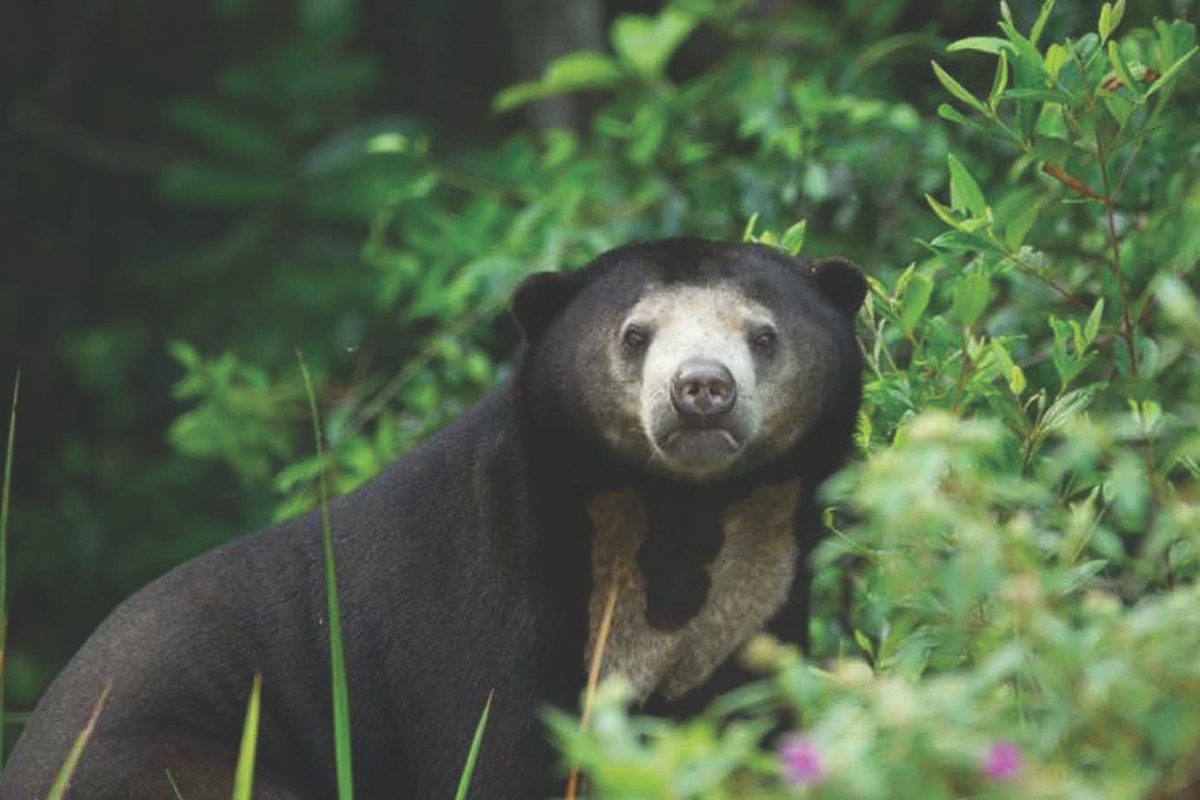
[(703, 388)]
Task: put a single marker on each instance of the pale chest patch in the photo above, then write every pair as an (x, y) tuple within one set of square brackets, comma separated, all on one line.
[(750, 578)]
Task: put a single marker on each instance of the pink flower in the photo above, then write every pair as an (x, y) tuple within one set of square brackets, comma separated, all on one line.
[(1003, 761), (801, 761)]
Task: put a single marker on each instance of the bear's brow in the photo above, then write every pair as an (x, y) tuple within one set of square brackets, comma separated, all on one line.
[(731, 304)]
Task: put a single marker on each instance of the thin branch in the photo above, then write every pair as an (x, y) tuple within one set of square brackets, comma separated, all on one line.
[(1114, 241), (1076, 185), (1031, 271)]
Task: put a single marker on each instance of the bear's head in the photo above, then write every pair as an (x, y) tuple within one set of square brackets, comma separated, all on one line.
[(689, 359)]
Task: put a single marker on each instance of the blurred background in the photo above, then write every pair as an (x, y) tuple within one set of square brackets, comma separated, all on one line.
[(191, 190)]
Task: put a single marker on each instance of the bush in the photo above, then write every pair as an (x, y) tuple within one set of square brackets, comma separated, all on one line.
[(1009, 597)]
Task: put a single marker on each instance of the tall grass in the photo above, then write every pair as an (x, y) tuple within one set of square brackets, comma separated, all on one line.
[(610, 606), (244, 774), (4, 496), (243, 778), (464, 781), (337, 654), (63, 780), (59, 789)]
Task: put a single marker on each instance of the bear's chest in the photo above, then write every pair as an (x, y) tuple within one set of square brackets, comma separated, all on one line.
[(747, 580)]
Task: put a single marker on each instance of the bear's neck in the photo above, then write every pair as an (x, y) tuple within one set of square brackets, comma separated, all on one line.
[(695, 573)]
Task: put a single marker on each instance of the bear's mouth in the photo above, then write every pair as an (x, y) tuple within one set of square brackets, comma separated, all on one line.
[(700, 443)]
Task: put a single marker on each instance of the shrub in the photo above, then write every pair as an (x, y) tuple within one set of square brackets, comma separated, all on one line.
[(1008, 604)]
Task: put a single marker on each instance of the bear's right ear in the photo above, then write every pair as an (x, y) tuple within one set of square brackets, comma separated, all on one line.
[(841, 281), (537, 298)]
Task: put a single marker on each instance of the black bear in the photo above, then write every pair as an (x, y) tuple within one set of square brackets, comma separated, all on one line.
[(675, 406)]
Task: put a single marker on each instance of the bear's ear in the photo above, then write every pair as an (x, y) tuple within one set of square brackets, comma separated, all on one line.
[(841, 281), (537, 298)]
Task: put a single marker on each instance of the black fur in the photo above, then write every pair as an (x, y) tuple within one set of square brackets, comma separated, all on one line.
[(464, 570)]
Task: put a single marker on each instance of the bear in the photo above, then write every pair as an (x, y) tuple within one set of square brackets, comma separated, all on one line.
[(674, 406)]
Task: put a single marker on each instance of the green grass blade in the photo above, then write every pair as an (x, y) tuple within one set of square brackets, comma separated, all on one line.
[(464, 783), (4, 495), (243, 778), (174, 786), (337, 654), (59, 789)]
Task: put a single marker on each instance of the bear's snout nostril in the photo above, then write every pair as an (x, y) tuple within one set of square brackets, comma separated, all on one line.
[(703, 388)]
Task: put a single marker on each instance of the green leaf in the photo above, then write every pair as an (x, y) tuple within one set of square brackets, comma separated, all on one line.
[(748, 232), (947, 111), (964, 241), (1030, 69), (518, 95), (575, 72), (647, 43), (914, 301), (243, 777), (1051, 149), (650, 124), (955, 88), (1056, 57), (1040, 23), (864, 642), (1127, 488), (981, 44), (1092, 326), (1110, 18), (1045, 95), (944, 214), (581, 70), (1016, 379), (1078, 576), (965, 193), (1170, 72), (999, 82), (1121, 68), (793, 238), (1105, 26), (1166, 41), (1067, 407), (1015, 233), (1051, 122), (970, 298), (464, 781), (1177, 302)]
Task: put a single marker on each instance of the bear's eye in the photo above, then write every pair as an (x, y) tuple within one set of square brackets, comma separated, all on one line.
[(764, 340), (635, 338)]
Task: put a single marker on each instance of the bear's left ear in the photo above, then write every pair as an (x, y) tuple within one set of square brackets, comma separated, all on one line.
[(841, 281), (537, 298)]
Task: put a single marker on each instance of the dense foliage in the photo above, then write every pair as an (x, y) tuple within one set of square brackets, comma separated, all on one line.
[(1007, 607), (1009, 601)]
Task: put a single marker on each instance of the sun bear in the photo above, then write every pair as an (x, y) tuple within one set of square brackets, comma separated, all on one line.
[(674, 408)]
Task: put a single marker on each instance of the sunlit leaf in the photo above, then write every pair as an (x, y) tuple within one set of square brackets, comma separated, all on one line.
[(955, 88), (647, 43), (965, 194), (914, 301)]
